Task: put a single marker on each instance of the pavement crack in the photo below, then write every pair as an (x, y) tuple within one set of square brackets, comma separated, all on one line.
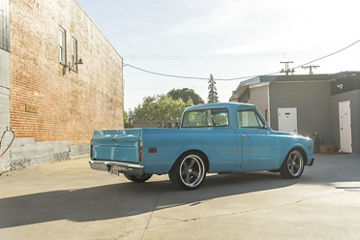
[(242, 212), (169, 218), (152, 212), (264, 208), (177, 220)]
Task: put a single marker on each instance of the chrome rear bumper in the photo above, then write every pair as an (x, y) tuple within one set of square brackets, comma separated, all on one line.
[(117, 167)]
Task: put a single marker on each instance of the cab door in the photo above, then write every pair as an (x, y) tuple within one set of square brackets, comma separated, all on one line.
[(210, 129), (257, 144)]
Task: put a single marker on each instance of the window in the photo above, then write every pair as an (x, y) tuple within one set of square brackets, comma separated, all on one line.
[(74, 55), (217, 117), (62, 44), (249, 119)]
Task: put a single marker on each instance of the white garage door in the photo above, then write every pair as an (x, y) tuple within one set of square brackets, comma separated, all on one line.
[(345, 126), (287, 119)]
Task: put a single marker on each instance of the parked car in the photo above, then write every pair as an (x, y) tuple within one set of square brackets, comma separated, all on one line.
[(212, 138)]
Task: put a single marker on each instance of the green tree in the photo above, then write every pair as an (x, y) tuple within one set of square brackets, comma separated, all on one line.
[(213, 95), (127, 119), (160, 107), (186, 94)]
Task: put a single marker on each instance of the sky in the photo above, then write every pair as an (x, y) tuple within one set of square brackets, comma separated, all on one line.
[(226, 38)]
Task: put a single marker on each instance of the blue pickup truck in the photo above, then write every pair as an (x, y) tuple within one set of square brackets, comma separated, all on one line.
[(212, 138)]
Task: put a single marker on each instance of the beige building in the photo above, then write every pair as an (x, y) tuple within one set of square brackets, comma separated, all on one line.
[(323, 106)]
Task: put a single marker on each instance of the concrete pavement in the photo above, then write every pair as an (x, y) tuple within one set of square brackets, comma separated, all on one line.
[(67, 200)]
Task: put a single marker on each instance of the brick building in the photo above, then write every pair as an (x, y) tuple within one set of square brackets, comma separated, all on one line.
[(51, 100)]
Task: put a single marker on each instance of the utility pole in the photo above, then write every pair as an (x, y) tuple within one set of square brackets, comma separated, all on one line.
[(310, 68), (287, 70)]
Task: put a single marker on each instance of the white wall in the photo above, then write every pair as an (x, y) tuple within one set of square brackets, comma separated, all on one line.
[(4, 92)]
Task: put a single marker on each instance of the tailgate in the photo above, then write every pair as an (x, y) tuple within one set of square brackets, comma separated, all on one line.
[(116, 145)]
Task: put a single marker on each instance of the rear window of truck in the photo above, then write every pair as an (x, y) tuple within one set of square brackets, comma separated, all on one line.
[(216, 117)]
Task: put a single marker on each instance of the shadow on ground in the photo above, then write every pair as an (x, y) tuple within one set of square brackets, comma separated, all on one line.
[(127, 199)]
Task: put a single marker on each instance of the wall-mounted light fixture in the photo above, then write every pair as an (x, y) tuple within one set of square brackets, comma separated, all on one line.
[(340, 86), (71, 66)]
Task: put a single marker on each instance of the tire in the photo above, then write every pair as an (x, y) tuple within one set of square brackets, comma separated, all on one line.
[(189, 171), (293, 165), (138, 179)]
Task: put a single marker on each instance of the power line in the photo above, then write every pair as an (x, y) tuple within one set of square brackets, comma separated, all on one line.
[(244, 77), (164, 74), (330, 54), (208, 56), (192, 77), (241, 77)]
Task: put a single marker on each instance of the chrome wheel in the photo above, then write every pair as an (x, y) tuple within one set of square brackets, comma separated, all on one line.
[(192, 171), (295, 163)]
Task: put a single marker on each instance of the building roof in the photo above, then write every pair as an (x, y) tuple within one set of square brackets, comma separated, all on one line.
[(268, 79)]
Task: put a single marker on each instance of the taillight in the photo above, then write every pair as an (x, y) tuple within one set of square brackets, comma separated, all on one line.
[(140, 150), (91, 151)]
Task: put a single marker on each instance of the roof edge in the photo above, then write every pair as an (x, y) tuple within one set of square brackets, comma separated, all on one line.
[(93, 23)]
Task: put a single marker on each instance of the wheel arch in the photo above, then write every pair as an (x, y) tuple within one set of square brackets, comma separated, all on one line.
[(301, 150), (197, 151), (285, 171)]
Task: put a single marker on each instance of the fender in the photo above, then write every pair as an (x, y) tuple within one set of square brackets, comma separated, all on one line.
[(292, 146), (189, 148)]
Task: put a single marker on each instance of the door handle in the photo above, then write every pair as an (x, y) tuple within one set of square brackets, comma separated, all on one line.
[(245, 136)]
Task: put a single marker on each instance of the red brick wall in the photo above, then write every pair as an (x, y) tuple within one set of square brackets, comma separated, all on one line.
[(69, 107)]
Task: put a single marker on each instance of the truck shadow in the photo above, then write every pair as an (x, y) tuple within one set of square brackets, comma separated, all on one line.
[(129, 199), (126, 199)]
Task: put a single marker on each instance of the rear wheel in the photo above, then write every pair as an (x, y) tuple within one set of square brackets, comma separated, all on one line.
[(293, 165), (138, 179), (189, 171)]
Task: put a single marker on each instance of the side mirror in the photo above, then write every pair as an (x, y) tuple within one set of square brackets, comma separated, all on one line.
[(267, 129)]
